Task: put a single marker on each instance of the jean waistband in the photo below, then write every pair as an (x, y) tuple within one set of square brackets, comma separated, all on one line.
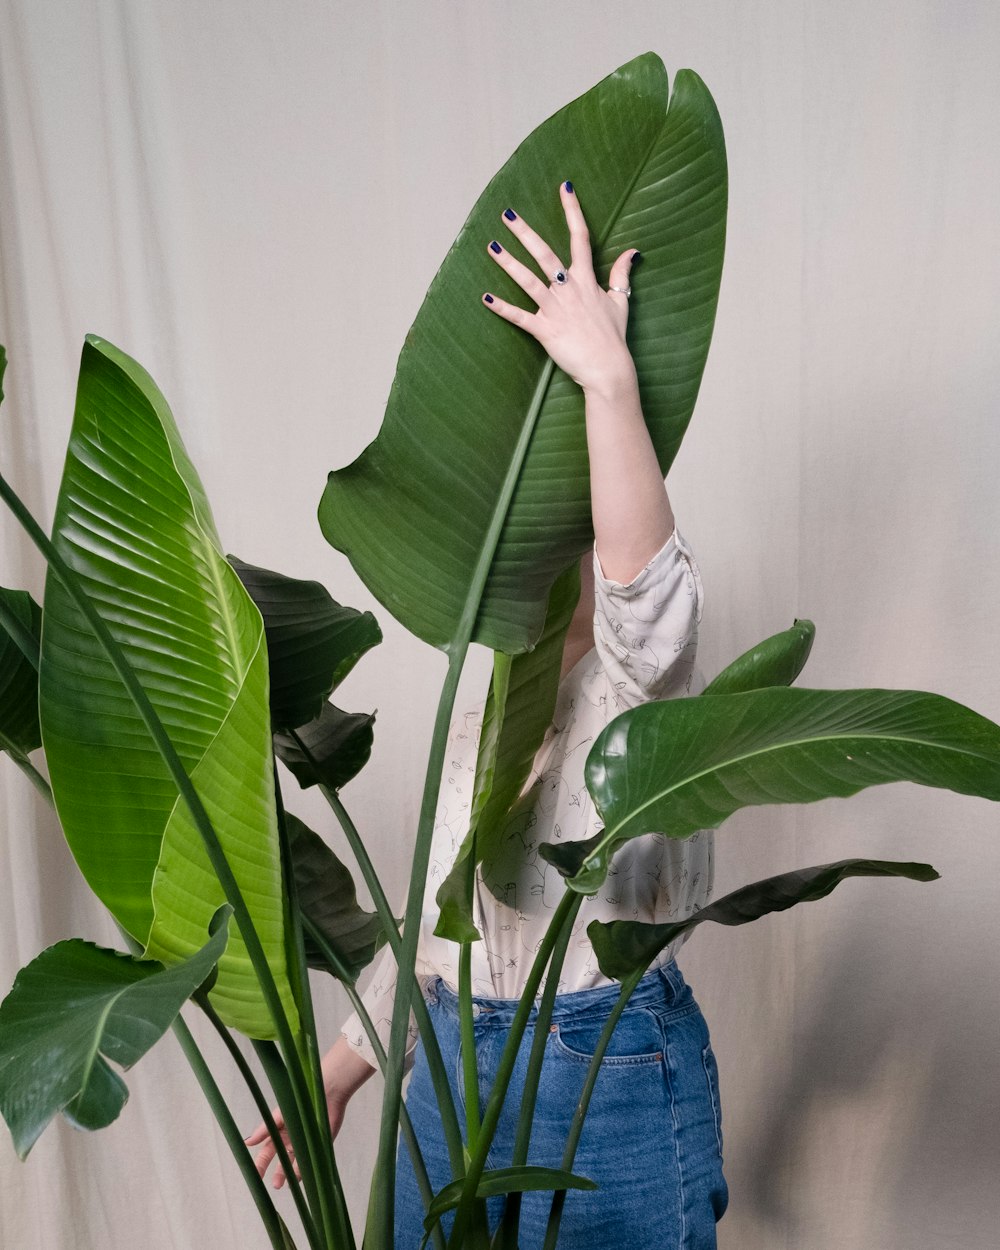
[(663, 986)]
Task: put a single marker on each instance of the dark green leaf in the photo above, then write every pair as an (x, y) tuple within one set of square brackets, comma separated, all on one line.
[(624, 947), (329, 901), (337, 746), (481, 464), (518, 712), (20, 619), (73, 1009), (498, 1181), (312, 642), (686, 764), (776, 661)]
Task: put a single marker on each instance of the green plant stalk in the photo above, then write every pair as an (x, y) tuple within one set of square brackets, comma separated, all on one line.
[(301, 1126), (26, 641), (405, 1123), (217, 857), (262, 1105), (564, 915), (576, 1127), (522, 1140), (470, 1069), (276, 1231), (384, 1212), (432, 1050), (300, 974)]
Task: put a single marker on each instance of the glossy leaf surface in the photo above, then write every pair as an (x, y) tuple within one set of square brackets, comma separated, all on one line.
[(73, 1011), (481, 462), (687, 764), (133, 523), (628, 946), (329, 900), (312, 641), (20, 732), (776, 661), (337, 745)]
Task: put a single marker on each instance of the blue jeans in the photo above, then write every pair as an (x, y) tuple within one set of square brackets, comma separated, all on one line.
[(652, 1139)]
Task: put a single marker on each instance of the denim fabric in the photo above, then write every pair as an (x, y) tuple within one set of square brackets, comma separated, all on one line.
[(652, 1139)]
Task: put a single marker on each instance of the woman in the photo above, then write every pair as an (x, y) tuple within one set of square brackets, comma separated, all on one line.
[(652, 1138)]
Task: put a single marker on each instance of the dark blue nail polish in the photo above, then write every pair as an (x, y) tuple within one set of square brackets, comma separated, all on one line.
[(569, 187), (636, 257), (495, 247), (488, 299), (510, 214)]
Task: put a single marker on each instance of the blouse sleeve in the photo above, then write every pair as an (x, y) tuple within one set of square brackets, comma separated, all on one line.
[(646, 631), (378, 1000)]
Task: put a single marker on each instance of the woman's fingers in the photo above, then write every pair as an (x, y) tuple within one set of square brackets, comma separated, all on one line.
[(529, 282), (621, 277), (540, 252), (510, 312), (581, 256)]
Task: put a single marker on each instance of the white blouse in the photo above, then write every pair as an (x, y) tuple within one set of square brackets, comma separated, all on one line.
[(645, 640)]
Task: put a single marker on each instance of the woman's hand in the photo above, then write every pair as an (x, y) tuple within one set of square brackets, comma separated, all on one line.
[(580, 325), (344, 1072)]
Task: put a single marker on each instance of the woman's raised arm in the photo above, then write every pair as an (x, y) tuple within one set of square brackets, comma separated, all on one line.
[(582, 327)]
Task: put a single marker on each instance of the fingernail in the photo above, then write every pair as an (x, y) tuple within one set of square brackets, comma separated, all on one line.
[(510, 214), (569, 187), (488, 299), (495, 247), (636, 257)]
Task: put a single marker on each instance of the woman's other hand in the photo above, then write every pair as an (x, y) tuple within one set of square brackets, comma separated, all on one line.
[(344, 1072)]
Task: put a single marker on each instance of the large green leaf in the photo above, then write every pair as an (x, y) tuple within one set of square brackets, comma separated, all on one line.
[(312, 641), (776, 661), (329, 902), (687, 764), (481, 462), (626, 947), (20, 619), (133, 523), (518, 712), (73, 1009)]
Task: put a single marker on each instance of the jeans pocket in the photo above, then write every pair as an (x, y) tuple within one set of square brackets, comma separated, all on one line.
[(637, 1039), (712, 1076)]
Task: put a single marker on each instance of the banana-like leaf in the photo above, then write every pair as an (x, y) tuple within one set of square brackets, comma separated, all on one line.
[(337, 746), (133, 523), (776, 661), (516, 1180), (518, 712), (71, 1011), (329, 901), (625, 947), (312, 641), (20, 619), (481, 463), (688, 764)]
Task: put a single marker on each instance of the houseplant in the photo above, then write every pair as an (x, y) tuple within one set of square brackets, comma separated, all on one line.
[(138, 574)]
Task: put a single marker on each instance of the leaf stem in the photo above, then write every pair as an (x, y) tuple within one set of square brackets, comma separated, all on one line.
[(432, 1049), (276, 1231), (576, 1127)]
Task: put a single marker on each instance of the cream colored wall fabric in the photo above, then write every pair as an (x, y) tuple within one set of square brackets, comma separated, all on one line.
[(251, 197)]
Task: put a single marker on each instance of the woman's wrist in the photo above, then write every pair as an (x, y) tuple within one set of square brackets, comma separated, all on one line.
[(615, 382)]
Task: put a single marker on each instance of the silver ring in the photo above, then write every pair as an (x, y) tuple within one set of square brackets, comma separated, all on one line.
[(622, 290), (560, 277)]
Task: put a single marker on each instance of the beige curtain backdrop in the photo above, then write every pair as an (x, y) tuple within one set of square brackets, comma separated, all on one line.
[(251, 197)]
